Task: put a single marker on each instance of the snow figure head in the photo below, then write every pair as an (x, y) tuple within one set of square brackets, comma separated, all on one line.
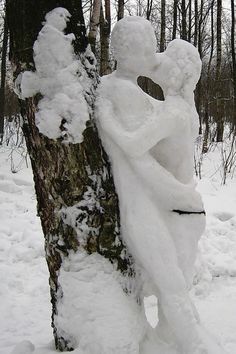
[(134, 43), (177, 70), (187, 59), (58, 18)]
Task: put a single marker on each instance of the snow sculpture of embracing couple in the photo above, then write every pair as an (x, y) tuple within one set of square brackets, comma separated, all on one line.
[(150, 144)]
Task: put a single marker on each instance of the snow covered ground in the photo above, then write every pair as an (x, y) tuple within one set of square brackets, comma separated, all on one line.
[(24, 293)]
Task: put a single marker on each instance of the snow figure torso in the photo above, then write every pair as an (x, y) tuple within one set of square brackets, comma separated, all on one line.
[(150, 145)]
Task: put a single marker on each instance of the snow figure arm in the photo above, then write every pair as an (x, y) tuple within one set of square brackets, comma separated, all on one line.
[(135, 145), (165, 188), (154, 128)]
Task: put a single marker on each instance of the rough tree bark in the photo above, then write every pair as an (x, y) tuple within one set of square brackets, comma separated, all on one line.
[(149, 9), (121, 9), (183, 34), (105, 30), (219, 115), (189, 21), (94, 24), (163, 26), (3, 79), (175, 18), (207, 105), (233, 59), (198, 92), (195, 38), (63, 172), (201, 16)]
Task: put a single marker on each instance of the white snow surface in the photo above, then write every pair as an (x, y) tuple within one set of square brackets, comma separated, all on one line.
[(61, 80), (94, 308), (25, 307)]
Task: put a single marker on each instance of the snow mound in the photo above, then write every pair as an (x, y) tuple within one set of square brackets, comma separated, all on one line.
[(94, 308), (25, 347)]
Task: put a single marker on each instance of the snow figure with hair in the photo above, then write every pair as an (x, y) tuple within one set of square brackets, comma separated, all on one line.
[(150, 145)]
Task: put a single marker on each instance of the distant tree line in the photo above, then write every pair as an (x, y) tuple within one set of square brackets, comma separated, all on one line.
[(204, 23)]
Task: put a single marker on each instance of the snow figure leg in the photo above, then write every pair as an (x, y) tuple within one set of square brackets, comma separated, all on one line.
[(154, 250), (186, 230)]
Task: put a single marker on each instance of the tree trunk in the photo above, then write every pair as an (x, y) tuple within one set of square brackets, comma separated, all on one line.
[(149, 9), (151, 88), (233, 59), (218, 38), (94, 24), (121, 9), (190, 21), (183, 21), (195, 39), (105, 30), (199, 27), (208, 81), (219, 115), (163, 26), (175, 12), (63, 173), (3, 79)]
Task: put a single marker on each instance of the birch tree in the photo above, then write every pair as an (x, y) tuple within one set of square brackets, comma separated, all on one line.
[(74, 187), (3, 78)]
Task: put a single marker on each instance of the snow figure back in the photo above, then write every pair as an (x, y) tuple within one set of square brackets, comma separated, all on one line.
[(150, 144)]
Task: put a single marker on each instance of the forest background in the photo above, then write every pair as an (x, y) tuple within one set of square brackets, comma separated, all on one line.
[(207, 24)]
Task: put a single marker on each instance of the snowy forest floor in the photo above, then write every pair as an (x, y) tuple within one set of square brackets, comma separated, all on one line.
[(24, 293)]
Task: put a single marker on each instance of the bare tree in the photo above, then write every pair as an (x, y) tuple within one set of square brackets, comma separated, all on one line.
[(3, 79), (233, 58), (183, 34), (105, 31), (195, 40), (175, 15), (121, 9), (149, 9), (94, 24), (219, 116), (189, 21), (208, 86), (163, 26)]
